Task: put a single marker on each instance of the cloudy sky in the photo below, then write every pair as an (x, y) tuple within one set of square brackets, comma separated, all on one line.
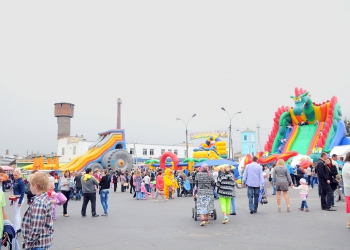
[(165, 59)]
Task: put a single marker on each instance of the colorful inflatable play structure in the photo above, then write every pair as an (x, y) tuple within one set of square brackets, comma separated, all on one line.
[(44, 163), (108, 151), (212, 148), (307, 127)]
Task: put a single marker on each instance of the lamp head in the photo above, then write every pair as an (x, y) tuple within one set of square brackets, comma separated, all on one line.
[(193, 115), (178, 119), (223, 108)]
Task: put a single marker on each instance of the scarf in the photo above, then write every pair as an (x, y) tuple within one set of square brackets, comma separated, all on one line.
[(87, 176)]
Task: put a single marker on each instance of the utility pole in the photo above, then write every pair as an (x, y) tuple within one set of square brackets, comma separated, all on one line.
[(258, 127)]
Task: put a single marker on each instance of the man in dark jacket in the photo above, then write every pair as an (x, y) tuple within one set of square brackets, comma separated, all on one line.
[(324, 182), (78, 187)]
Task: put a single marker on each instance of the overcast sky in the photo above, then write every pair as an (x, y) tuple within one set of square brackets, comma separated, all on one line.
[(165, 59)]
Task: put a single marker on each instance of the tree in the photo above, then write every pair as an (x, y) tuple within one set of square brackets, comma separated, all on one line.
[(347, 126)]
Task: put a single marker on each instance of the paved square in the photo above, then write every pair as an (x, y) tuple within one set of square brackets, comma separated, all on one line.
[(145, 225)]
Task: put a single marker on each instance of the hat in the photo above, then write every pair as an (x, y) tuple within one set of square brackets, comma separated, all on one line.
[(302, 181)]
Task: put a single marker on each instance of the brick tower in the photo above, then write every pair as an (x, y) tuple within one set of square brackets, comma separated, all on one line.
[(119, 103), (64, 112)]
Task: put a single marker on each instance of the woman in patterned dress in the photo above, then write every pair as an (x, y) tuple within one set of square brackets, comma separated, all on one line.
[(204, 193)]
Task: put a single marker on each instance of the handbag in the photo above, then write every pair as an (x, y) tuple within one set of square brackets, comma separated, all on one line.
[(126, 184)]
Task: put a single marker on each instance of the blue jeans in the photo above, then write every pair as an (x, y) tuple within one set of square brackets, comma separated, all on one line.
[(138, 195), (215, 193), (304, 204), (233, 205), (148, 188), (38, 248), (143, 195), (78, 194), (56, 187), (313, 181), (104, 200), (253, 196)]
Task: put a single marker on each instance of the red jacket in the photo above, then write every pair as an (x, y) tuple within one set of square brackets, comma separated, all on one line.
[(160, 182)]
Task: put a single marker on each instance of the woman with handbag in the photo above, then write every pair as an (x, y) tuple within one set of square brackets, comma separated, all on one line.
[(104, 184), (66, 185)]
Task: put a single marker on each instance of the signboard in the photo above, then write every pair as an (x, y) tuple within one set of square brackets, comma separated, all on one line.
[(217, 133)]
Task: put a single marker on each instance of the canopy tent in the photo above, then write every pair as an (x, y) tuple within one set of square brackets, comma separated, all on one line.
[(7, 168), (340, 150), (214, 163)]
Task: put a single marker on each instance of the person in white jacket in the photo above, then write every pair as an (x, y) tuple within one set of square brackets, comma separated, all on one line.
[(304, 192)]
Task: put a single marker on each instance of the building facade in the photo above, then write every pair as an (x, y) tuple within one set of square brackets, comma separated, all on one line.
[(70, 147), (248, 139)]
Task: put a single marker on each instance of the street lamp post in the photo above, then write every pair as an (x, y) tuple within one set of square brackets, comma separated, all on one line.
[(232, 140), (186, 132), (229, 141)]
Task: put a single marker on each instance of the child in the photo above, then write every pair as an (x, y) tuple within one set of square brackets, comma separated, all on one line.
[(339, 196), (304, 190), (37, 223), (144, 193), (54, 201)]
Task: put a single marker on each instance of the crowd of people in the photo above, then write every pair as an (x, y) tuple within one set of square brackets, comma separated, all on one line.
[(204, 184)]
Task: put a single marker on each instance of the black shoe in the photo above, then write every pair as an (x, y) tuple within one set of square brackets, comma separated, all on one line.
[(83, 215), (18, 231), (323, 208), (95, 215), (251, 212), (232, 213), (255, 212), (331, 209)]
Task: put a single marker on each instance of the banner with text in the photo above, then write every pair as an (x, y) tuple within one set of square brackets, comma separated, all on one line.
[(218, 133)]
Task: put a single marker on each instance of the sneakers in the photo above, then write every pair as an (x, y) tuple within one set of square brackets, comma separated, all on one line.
[(206, 222), (95, 215), (334, 206), (202, 223), (232, 213), (104, 214), (301, 209), (225, 220), (331, 209), (307, 210)]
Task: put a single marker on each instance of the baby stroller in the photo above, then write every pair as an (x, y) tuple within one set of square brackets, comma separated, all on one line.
[(195, 213)]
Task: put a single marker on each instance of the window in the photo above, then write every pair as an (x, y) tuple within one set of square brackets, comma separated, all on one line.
[(62, 151), (74, 150), (162, 151), (170, 150), (245, 137), (131, 151), (175, 151), (151, 152), (144, 151)]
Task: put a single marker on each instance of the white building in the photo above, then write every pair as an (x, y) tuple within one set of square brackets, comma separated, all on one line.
[(70, 147)]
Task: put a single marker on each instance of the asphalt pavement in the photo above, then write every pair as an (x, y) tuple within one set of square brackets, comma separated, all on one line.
[(144, 225)]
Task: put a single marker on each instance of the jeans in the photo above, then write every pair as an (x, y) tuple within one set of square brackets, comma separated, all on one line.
[(138, 195), (233, 205), (292, 176), (313, 181), (148, 189), (253, 196), (332, 200), (304, 204), (65, 205), (78, 194), (143, 195), (104, 200), (326, 194), (215, 193), (86, 198), (56, 187)]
